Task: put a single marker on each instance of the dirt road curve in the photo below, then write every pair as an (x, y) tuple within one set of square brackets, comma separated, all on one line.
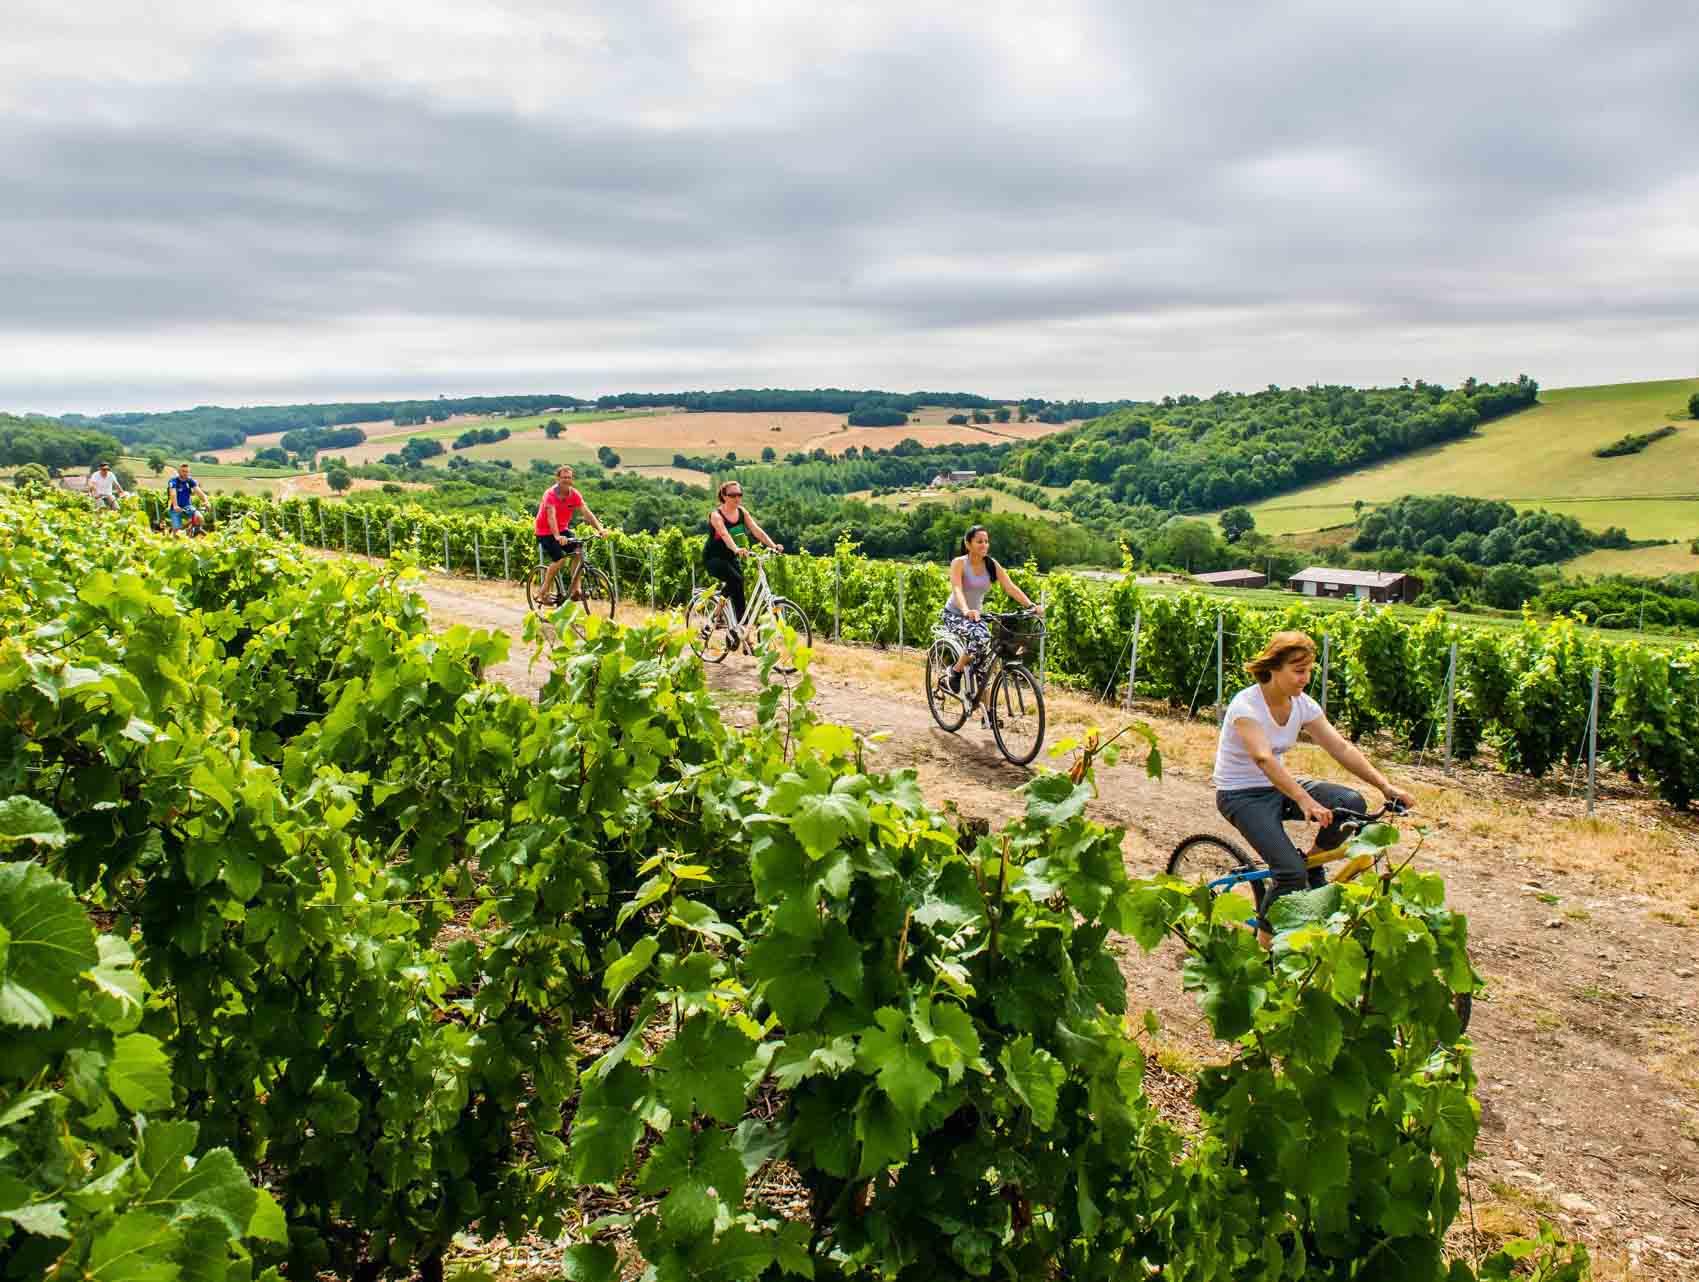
[(1588, 933)]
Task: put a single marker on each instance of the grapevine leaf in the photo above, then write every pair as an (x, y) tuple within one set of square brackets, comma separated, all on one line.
[(44, 1219), (267, 1224), (26, 819), (803, 1055), (696, 1170), (822, 820), (1305, 907), (590, 1262), (627, 968), (140, 1073), (886, 1137), (1408, 1259), (791, 1249), (1035, 1076), (1053, 799), (49, 944), (790, 979), (704, 1069), (138, 1248), (901, 1062), (1231, 992), (24, 1105), (607, 1126)]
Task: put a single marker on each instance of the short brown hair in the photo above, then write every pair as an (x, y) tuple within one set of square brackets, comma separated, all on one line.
[(1279, 651), (726, 485)]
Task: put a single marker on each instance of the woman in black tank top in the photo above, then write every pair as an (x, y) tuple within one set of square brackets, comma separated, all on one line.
[(730, 528)]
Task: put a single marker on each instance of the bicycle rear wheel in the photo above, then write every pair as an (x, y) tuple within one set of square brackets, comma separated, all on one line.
[(1204, 858), (783, 614), (948, 708), (709, 626), (600, 596), (1016, 714)]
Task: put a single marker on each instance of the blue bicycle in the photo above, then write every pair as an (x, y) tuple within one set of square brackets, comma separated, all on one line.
[(1228, 870)]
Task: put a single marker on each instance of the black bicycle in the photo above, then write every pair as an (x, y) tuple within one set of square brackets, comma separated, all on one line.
[(999, 683), (591, 587)]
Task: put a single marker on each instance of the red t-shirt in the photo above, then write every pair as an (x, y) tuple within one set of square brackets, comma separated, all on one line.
[(565, 508)]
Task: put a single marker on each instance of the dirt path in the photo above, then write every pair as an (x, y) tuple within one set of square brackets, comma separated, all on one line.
[(1587, 931)]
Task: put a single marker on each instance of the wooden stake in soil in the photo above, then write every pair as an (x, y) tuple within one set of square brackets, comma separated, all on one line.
[(1326, 648), (1133, 663), (366, 517), (1593, 740), (1450, 702)]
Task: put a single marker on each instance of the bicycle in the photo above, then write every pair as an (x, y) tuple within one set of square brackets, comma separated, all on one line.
[(596, 591), (714, 633), (1014, 706), (1226, 869)]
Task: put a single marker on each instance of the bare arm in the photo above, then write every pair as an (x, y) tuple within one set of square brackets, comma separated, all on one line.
[(758, 532), (554, 519), (591, 517), (1256, 743), (1012, 588), (1321, 733)]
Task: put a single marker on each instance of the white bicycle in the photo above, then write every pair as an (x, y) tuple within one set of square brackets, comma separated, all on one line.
[(714, 633)]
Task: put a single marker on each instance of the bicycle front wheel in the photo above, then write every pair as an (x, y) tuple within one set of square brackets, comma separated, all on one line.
[(1017, 715), (708, 622), (782, 614), (948, 707), (1204, 859)]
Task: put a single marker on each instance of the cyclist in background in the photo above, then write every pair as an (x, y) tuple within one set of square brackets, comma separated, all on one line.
[(105, 488), (730, 528), (560, 506), (971, 576), (1256, 793), (183, 489)]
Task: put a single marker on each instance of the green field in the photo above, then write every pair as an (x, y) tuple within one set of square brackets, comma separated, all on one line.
[(1542, 457), (996, 500)]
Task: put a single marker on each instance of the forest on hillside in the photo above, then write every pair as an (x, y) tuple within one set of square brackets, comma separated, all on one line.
[(1188, 453)]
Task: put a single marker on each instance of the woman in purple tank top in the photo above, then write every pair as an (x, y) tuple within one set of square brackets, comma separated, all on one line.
[(971, 576)]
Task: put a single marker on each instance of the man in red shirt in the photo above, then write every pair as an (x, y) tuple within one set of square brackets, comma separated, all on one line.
[(561, 503)]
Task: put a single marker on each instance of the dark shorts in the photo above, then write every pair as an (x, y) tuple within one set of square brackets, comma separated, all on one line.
[(558, 549)]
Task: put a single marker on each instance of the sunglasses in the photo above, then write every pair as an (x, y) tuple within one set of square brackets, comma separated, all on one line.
[(734, 494)]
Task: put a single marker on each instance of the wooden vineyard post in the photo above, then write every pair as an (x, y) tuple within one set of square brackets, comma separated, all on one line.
[(477, 557), (506, 570), (366, 519), (900, 577), (1220, 711)]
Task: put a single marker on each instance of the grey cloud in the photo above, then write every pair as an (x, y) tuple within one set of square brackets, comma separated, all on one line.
[(1226, 160)]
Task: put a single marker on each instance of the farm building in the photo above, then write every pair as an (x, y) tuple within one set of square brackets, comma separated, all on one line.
[(1365, 585), (953, 478), (1233, 579)]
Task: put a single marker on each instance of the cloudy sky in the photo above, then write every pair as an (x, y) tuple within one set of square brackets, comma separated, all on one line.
[(312, 199)]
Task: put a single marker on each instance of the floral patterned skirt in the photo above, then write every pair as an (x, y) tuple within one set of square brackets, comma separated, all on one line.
[(974, 634)]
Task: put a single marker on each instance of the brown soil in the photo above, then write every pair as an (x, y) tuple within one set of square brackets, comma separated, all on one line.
[(1587, 1038)]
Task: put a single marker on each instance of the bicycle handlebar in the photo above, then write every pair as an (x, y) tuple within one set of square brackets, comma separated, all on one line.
[(1356, 820)]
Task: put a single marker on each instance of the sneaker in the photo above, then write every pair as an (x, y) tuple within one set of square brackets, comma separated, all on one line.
[(953, 681)]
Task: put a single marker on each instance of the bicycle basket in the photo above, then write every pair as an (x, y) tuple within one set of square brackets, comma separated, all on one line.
[(1016, 637)]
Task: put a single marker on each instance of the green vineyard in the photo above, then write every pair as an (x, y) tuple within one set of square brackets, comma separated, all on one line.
[(319, 952), (1525, 692)]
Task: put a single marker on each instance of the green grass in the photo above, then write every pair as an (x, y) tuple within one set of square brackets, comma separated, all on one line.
[(201, 471), (1542, 457)]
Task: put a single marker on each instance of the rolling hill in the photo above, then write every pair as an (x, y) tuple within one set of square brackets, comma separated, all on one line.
[(1543, 457)]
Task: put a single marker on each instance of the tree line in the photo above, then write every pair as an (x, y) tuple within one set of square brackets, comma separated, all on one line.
[(1484, 531), (1232, 448), (53, 446)]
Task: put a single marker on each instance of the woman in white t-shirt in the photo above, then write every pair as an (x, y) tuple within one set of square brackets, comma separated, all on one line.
[(1253, 789)]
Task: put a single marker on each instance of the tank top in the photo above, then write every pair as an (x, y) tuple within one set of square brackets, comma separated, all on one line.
[(974, 586), (738, 529)]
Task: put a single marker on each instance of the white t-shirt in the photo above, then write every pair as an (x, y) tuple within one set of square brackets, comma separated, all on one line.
[(1234, 767), (103, 486)]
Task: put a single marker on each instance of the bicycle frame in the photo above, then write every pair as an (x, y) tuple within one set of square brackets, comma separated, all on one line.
[(1352, 820)]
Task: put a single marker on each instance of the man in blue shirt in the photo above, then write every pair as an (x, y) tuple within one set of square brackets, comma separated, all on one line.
[(183, 489)]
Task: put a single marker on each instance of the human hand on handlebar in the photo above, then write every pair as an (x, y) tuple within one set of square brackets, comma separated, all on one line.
[(1400, 800), (1317, 813)]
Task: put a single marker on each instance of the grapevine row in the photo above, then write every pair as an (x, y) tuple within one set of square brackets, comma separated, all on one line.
[(1524, 691), (428, 957)]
